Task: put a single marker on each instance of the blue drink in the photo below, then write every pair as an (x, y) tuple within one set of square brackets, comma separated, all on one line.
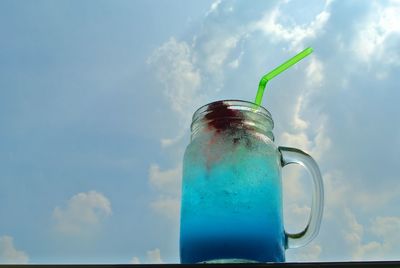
[(231, 208)]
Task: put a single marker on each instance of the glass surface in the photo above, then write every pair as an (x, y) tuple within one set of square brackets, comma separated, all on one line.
[(231, 199), (231, 209)]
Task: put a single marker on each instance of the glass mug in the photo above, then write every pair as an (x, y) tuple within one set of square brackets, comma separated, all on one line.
[(231, 207)]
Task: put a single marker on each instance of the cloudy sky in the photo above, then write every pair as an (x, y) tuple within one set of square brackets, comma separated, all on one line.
[(95, 106)]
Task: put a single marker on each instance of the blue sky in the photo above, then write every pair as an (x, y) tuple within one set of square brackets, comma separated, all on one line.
[(95, 106)]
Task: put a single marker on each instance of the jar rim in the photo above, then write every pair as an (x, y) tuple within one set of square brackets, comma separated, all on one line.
[(238, 104)]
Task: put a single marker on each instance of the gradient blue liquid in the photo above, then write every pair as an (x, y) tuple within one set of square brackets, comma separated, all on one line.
[(231, 201)]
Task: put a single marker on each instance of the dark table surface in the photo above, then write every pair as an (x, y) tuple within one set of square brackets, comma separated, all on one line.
[(371, 264)]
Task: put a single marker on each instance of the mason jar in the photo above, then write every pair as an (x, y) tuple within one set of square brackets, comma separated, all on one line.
[(231, 207)]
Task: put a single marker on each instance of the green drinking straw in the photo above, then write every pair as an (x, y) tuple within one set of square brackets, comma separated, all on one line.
[(287, 64)]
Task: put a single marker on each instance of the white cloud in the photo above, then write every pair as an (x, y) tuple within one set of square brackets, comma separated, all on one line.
[(83, 214), (386, 229), (293, 187), (167, 181), (167, 142), (296, 216), (299, 140), (322, 141), (355, 231), (9, 254), (135, 260), (234, 64), (336, 190), (175, 69), (168, 184), (375, 32), (273, 27), (375, 240), (373, 199), (312, 138), (152, 256), (214, 7), (217, 51), (307, 254), (298, 122), (167, 206), (314, 72)]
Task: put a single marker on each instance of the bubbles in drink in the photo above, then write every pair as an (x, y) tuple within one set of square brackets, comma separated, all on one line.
[(231, 204)]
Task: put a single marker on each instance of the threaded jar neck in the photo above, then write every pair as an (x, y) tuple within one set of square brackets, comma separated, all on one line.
[(229, 115)]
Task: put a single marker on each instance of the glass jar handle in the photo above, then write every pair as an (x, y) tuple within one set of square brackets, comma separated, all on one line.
[(290, 156)]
